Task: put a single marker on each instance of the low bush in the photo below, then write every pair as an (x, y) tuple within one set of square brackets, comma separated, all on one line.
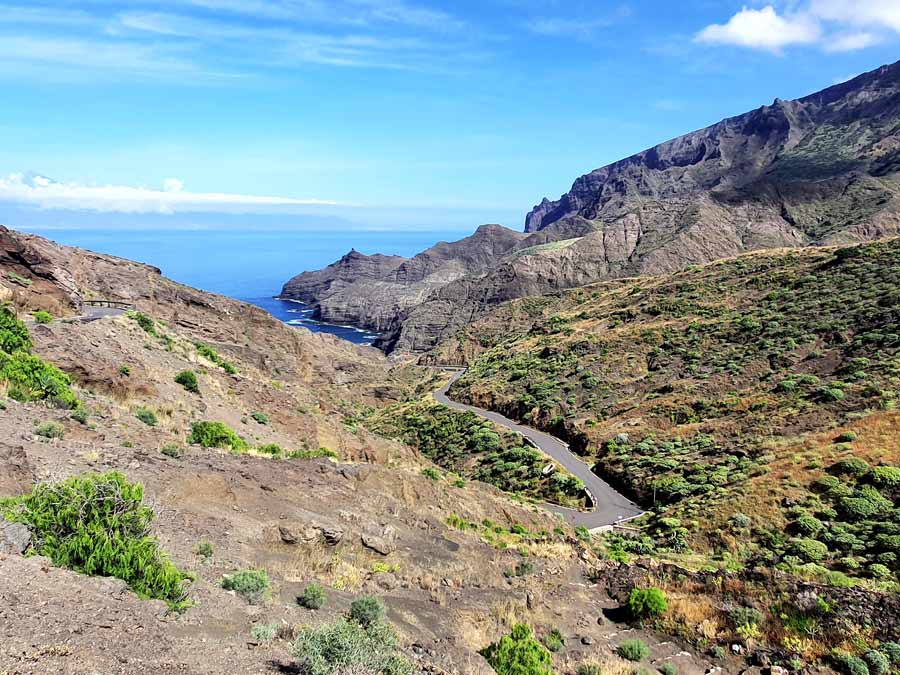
[(878, 662), (188, 380), (14, 335), (367, 611), (50, 430), (346, 646), (216, 435), (30, 378), (98, 525), (146, 416), (633, 650), (260, 418), (555, 640), (204, 549), (431, 473), (646, 603), (313, 597), (252, 585), (263, 633), (518, 654), (172, 451), (43, 317), (80, 415), (147, 324), (668, 669), (590, 669)]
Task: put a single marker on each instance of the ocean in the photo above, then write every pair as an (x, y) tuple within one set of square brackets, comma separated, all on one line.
[(250, 266)]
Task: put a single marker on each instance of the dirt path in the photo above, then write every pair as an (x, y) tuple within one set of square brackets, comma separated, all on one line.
[(610, 507)]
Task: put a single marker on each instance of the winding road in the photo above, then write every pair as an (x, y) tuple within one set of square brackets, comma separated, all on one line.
[(610, 507)]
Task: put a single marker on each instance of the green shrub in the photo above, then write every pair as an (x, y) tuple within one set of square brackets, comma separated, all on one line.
[(14, 335), (846, 437), (263, 633), (172, 451), (50, 430), (853, 466), (745, 616), (892, 649), (809, 550), (252, 585), (261, 418), (646, 603), (432, 473), (555, 640), (313, 597), (215, 435), (879, 663), (311, 454), (367, 611), (590, 669), (668, 669), (30, 378), (271, 449), (523, 568), (229, 368), (125, 370), (633, 650), (188, 380), (518, 654), (886, 476), (346, 646), (204, 549), (146, 416), (98, 525), (43, 317), (851, 664), (80, 415), (144, 321), (19, 279)]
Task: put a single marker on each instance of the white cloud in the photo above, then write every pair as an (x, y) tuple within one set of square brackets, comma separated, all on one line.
[(172, 198), (762, 29), (850, 42), (833, 25), (861, 13)]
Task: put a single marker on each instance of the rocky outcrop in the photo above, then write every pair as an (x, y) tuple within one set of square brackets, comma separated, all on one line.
[(371, 291), (355, 267), (824, 169)]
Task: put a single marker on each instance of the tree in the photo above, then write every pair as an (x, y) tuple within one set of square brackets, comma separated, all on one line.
[(518, 654)]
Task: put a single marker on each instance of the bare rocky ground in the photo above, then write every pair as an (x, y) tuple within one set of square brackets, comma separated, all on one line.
[(366, 523)]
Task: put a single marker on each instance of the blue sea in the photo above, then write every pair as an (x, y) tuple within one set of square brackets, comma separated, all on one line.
[(251, 266)]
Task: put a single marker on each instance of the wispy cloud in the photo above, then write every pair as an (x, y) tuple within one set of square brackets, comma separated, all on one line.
[(580, 26), (171, 198), (216, 38), (833, 25)]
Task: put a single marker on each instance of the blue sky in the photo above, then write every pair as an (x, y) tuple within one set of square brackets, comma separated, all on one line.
[(401, 112)]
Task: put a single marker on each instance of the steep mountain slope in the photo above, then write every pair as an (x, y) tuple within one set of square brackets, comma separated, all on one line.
[(749, 403), (819, 170), (815, 170)]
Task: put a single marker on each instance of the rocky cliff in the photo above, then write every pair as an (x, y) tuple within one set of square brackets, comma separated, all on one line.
[(372, 291), (818, 170)]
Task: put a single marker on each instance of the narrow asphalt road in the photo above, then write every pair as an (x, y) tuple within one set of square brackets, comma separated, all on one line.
[(610, 507)]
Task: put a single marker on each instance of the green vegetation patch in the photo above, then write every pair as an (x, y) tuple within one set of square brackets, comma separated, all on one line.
[(519, 653), (28, 377), (472, 447), (97, 524), (216, 435)]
